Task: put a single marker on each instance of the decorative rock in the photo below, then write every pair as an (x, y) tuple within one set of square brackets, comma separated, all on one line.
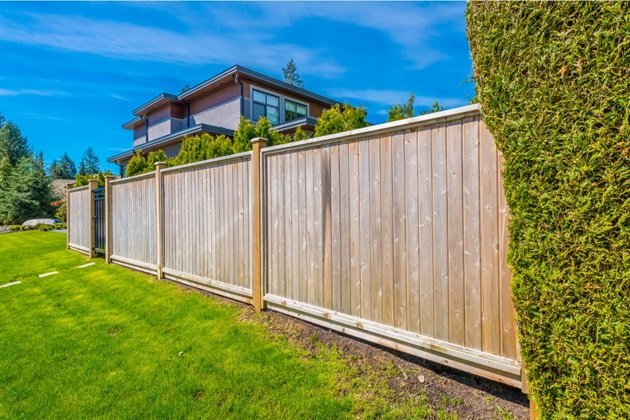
[(421, 379), (44, 221)]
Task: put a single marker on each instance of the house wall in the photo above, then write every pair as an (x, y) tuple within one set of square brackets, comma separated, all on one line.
[(221, 108), (139, 136), (159, 122)]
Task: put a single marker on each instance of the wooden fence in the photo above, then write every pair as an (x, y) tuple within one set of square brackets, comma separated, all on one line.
[(132, 207), (207, 225), (395, 233), (78, 216)]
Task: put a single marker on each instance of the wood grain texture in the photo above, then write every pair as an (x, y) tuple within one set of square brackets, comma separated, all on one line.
[(79, 217), (206, 218)]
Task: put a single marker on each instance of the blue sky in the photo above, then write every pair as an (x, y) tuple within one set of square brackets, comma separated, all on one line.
[(72, 73)]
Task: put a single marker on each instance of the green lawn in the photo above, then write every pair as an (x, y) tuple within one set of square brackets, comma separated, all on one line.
[(105, 341)]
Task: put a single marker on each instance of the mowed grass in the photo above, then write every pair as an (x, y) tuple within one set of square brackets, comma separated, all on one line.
[(104, 341)]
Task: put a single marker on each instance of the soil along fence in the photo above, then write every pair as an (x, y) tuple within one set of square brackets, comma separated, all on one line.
[(395, 233)]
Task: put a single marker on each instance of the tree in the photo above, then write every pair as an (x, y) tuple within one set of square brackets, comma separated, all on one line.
[(64, 168), (25, 190), (553, 82), (436, 107), (291, 75), (90, 163), (137, 165), (13, 145), (400, 112), (339, 118)]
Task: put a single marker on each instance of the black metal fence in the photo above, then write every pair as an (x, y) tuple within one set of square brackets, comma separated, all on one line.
[(98, 195)]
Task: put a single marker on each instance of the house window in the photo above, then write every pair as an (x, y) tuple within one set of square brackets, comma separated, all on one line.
[(293, 110), (266, 105)]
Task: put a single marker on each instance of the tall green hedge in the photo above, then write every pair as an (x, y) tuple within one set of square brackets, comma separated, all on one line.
[(553, 80)]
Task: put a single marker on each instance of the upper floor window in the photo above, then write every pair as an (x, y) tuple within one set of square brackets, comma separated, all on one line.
[(266, 105), (293, 110)]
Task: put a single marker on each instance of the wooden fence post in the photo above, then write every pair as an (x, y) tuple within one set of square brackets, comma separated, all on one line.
[(257, 287), (92, 185), (159, 218), (68, 186), (108, 214)]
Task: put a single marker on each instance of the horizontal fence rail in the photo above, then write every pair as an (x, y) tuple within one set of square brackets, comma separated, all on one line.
[(395, 233)]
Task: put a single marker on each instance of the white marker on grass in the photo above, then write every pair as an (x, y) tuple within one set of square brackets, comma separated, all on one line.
[(85, 265), (48, 274), (10, 284)]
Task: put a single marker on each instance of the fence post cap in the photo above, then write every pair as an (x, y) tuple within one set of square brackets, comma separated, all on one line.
[(259, 140), (93, 181), (160, 164)]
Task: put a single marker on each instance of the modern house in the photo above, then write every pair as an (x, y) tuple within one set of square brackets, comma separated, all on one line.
[(215, 107)]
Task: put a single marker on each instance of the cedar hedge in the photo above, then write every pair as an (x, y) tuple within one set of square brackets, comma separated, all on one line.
[(553, 81)]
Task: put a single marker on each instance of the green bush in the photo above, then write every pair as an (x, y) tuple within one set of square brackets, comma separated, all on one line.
[(553, 80), (15, 228), (339, 118)]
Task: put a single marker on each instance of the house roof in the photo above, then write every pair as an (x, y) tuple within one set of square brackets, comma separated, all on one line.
[(161, 99), (292, 125), (171, 138), (212, 82)]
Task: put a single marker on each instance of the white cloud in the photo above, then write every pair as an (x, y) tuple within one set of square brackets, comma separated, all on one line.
[(37, 116), (391, 97), (135, 42), (411, 26), (34, 92)]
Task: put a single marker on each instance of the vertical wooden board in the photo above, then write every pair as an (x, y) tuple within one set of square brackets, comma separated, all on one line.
[(425, 231), (472, 267), (387, 235), (456, 286), (412, 237), (247, 186), (288, 218), (489, 243), (295, 228), (366, 239), (214, 249), (335, 227), (223, 215), (440, 233), (303, 268), (310, 228), (344, 231), (318, 227), (237, 186), (273, 225), (399, 186), (327, 227), (355, 228), (508, 322), (279, 220), (232, 217), (376, 294)]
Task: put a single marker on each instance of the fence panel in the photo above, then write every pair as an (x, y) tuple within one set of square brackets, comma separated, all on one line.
[(401, 237), (79, 219), (133, 222), (207, 225)]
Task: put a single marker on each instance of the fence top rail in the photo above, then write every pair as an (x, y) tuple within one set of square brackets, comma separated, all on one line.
[(77, 189), (409, 123), (220, 160), (134, 178)]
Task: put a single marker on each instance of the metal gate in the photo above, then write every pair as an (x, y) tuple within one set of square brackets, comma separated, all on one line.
[(98, 195)]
